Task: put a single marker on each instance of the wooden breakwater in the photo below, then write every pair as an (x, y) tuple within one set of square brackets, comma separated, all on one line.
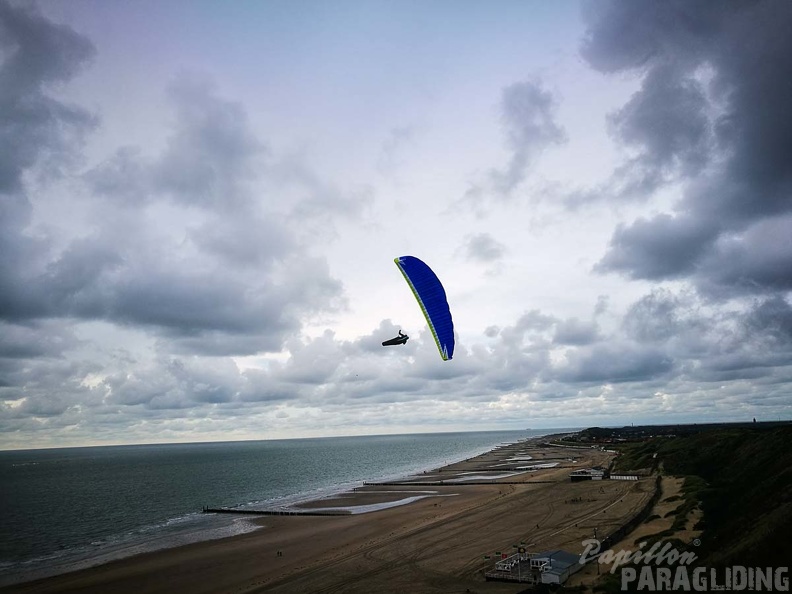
[(274, 512)]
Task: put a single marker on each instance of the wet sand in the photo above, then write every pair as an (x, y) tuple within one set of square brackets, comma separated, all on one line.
[(435, 543)]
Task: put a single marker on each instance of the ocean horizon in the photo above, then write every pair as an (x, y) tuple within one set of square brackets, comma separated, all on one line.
[(69, 508)]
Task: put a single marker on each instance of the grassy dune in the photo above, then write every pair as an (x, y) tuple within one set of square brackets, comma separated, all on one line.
[(742, 479)]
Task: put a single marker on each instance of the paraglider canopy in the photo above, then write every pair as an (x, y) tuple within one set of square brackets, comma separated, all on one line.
[(431, 297)]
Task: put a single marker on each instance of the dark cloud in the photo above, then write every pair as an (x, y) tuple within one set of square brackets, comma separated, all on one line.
[(35, 130), (482, 247), (759, 260), (528, 112), (771, 318), (602, 305), (615, 363), (237, 281), (658, 248), (22, 345), (35, 54), (190, 382), (188, 304), (211, 154), (533, 324), (576, 332), (631, 35), (712, 109), (667, 121), (653, 318), (172, 249), (51, 386), (665, 340), (253, 242), (711, 344), (124, 178), (262, 389), (528, 118)]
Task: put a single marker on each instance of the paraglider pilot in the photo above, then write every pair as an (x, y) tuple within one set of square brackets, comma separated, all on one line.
[(400, 339)]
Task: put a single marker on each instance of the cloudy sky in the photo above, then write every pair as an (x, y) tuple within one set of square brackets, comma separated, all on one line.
[(200, 203)]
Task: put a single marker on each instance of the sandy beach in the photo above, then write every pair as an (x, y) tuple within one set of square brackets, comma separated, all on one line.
[(428, 533)]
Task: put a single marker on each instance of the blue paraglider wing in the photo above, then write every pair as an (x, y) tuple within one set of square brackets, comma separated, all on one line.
[(432, 298)]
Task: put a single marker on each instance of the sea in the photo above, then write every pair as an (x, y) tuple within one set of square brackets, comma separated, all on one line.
[(70, 508)]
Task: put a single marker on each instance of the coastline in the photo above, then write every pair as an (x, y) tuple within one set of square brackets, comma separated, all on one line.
[(84, 539), (431, 529)]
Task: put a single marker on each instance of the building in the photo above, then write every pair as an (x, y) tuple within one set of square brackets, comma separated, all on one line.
[(548, 567), (555, 566), (587, 474)]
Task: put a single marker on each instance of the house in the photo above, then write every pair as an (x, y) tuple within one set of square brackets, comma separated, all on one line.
[(555, 566)]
